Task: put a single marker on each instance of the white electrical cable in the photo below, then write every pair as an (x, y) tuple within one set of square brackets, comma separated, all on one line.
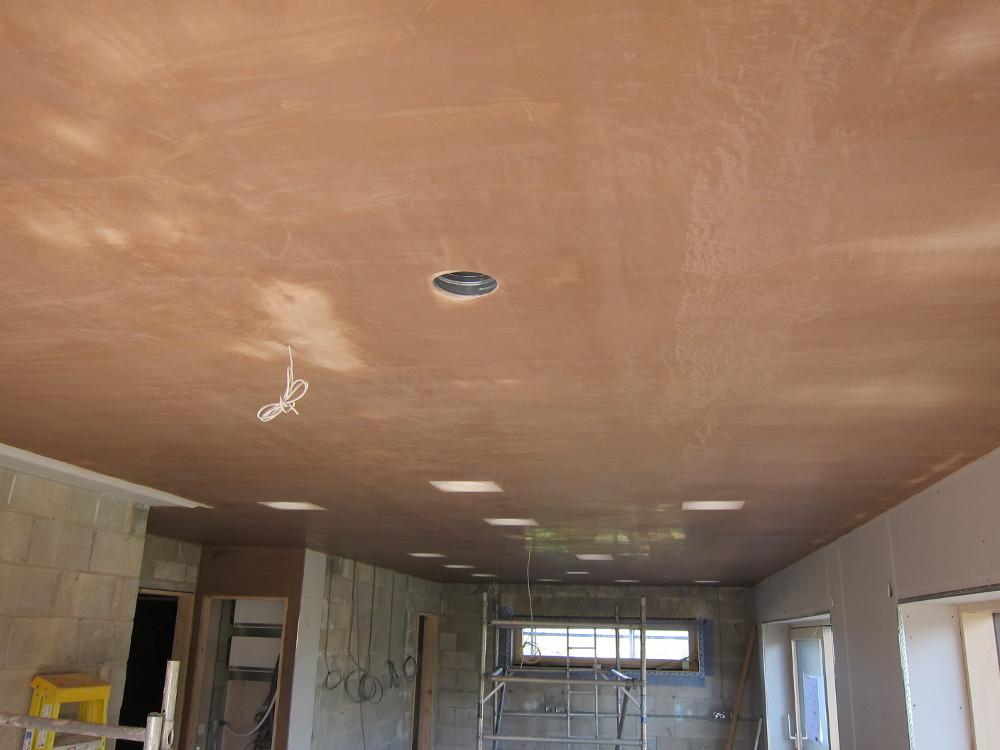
[(294, 390), (259, 724), (537, 655)]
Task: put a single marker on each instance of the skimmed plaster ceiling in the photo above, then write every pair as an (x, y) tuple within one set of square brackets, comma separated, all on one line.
[(746, 250)]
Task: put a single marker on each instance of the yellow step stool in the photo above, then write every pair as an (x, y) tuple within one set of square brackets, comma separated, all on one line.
[(50, 691)]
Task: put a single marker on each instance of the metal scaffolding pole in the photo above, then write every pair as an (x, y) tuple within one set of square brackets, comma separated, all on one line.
[(482, 674), (642, 672)]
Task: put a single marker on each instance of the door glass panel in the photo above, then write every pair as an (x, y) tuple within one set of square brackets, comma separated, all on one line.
[(813, 723), (811, 704)]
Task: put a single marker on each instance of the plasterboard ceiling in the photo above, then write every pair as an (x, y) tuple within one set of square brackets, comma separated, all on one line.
[(746, 250)]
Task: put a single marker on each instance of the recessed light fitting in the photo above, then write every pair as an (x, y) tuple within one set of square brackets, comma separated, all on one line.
[(465, 284), (290, 505), (511, 521), (547, 580), (467, 486), (483, 575), (713, 504), (458, 567), (707, 581), (578, 572), (425, 554), (594, 557)]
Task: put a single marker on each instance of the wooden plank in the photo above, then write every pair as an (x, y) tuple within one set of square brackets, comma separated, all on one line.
[(428, 673), (739, 693)]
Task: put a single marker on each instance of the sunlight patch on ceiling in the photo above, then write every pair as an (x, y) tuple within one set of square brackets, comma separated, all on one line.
[(875, 394), (304, 318), (970, 41)]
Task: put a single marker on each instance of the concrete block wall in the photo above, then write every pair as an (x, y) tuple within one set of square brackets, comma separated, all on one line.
[(169, 564), (369, 618), (69, 575), (680, 715), (457, 686)]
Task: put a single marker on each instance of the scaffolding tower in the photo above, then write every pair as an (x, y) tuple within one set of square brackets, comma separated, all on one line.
[(577, 681)]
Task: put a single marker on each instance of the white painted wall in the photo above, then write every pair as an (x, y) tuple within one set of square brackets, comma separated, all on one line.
[(943, 539), (307, 649)]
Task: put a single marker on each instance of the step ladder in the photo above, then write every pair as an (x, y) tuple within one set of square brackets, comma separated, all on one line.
[(50, 692), (582, 705)]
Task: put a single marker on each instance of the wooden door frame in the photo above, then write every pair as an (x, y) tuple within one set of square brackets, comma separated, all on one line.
[(422, 732), (207, 641)]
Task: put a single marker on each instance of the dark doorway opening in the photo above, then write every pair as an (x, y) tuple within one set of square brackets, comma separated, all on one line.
[(152, 647)]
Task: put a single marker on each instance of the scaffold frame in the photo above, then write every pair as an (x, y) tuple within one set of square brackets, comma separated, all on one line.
[(493, 684)]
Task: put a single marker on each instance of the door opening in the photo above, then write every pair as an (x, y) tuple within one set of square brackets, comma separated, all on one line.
[(800, 693), (239, 669), (154, 642)]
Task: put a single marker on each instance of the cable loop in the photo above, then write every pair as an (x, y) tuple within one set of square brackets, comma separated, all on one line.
[(333, 679), (393, 674), (530, 658), (409, 668), (294, 390), (363, 687)]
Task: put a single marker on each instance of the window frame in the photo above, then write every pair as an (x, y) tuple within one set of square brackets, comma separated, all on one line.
[(695, 627)]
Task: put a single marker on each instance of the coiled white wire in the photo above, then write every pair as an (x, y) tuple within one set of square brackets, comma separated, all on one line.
[(294, 390)]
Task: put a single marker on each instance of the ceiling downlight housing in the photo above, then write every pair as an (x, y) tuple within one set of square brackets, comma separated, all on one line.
[(465, 284)]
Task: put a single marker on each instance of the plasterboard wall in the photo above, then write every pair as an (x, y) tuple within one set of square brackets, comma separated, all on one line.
[(945, 538), (936, 669)]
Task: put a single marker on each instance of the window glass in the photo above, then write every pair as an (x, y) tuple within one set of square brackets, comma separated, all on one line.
[(672, 647)]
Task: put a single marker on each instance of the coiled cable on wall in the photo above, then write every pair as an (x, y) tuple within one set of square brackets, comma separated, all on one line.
[(333, 679), (333, 676), (409, 663), (391, 674), (360, 685), (409, 668)]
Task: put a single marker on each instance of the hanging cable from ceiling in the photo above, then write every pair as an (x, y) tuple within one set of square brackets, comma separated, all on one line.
[(294, 390), (536, 656)]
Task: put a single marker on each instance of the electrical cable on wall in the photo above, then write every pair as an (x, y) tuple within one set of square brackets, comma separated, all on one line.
[(393, 675), (334, 677), (360, 685), (294, 390), (409, 663), (263, 730)]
